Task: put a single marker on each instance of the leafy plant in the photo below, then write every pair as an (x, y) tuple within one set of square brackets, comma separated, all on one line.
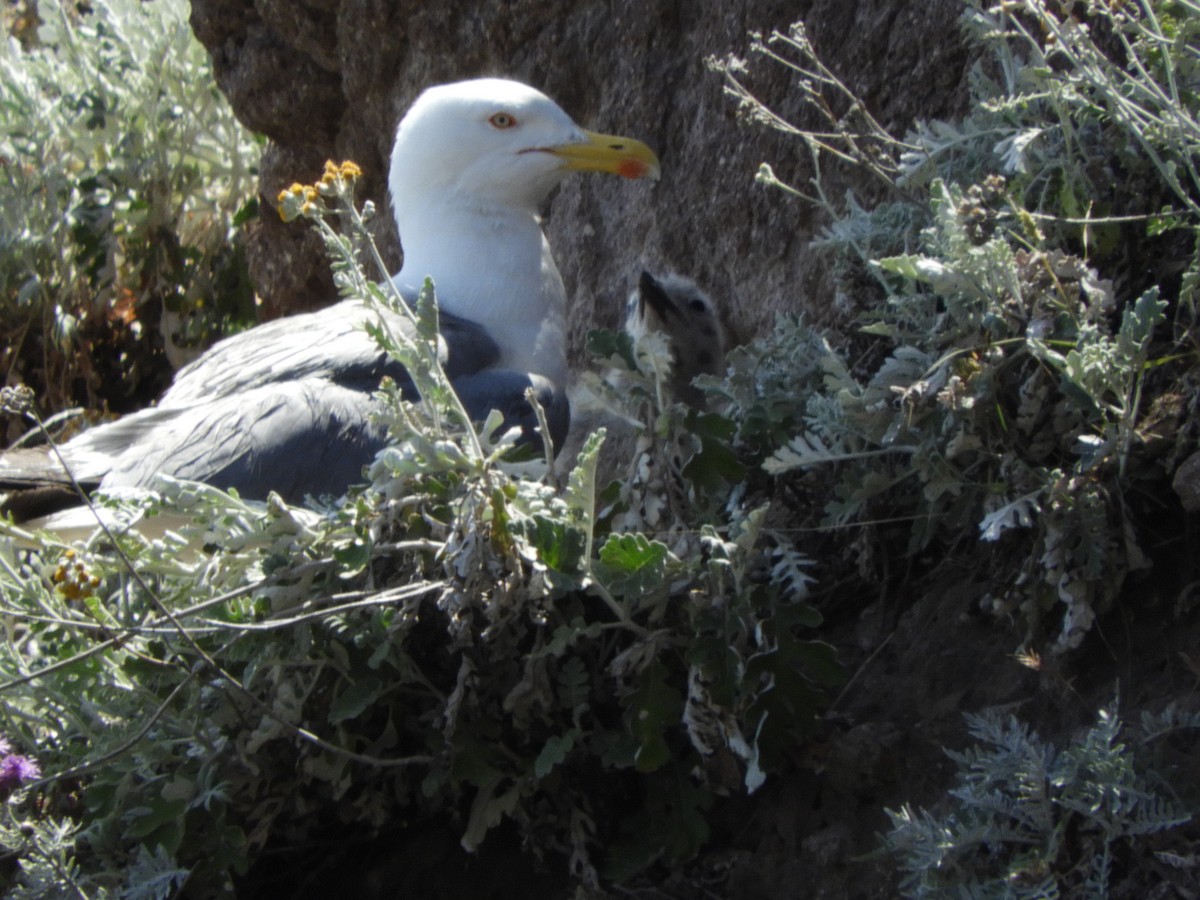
[(1001, 378), (125, 182), (464, 641), (1029, 820), (449, 643)]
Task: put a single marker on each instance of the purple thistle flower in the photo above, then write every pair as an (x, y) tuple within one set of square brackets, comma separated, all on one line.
[(16, 769)]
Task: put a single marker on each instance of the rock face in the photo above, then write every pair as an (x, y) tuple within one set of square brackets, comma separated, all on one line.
[(331, 78)]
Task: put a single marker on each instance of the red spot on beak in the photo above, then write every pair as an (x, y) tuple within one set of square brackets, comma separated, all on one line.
[(632, 168)]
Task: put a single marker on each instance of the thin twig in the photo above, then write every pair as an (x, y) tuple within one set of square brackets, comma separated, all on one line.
[(61, 664), (379, 599)]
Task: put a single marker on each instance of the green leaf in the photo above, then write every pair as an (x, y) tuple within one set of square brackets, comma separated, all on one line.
[(559, 545), (554, 752), (574, 684), (352, 557), (904, 266), (487, 811), (632, 565), (1139, 321), (629, 856), (159, 824), (153, 874), (651, 709), (612, 346), (247, 213), (716, 465), (580, 494), (565, 636), (353, 701), (671, 825), (796, 672)]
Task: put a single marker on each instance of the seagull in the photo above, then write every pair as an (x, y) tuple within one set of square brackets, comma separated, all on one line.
[(677, 308), (285, 407)]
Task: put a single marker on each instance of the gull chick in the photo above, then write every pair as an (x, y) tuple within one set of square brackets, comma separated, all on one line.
[(675, 307)]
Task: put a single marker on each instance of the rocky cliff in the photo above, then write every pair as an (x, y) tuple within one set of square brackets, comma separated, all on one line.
[(331, 78)]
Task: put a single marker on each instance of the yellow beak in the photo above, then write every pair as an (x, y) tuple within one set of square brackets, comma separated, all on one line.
[(623, 156)]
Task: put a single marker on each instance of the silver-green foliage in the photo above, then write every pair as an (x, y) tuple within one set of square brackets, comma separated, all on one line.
[(1027, 819), (1007, 389), (46, 846), (451, 641), (124, 170)]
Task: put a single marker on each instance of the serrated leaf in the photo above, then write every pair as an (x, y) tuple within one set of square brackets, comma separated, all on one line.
[(1017, 514), (1139, 321), (800, 452), (632, 565), (153, 875), (565, 636), (426, 310), (580, 494), (560, 546), (1012, 150), (574, 684)]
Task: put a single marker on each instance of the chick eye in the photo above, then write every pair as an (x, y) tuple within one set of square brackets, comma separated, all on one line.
[(696, 305), (502, 120)]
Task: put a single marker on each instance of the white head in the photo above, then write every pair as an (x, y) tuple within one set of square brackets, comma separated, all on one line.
[(495, 143)]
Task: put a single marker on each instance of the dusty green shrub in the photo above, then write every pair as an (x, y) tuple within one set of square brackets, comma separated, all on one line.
[(1002, 358), (124, 183), (449, 644), (1027, 819)]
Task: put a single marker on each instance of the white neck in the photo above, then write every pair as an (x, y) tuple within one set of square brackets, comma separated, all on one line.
[(494, 267)]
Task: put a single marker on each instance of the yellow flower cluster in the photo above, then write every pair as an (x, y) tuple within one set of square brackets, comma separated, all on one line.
[(296, 200), (304, 199), (72, 578), (346, 171)]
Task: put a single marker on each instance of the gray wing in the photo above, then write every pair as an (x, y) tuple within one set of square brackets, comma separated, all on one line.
[(305, 437), (330, 344), (299, 437), (286, 406), (89, 455)]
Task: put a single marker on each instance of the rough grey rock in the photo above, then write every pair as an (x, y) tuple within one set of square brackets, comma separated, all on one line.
[(331, 78)]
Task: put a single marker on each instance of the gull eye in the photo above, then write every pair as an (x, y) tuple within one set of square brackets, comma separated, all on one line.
[(502, 120)]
